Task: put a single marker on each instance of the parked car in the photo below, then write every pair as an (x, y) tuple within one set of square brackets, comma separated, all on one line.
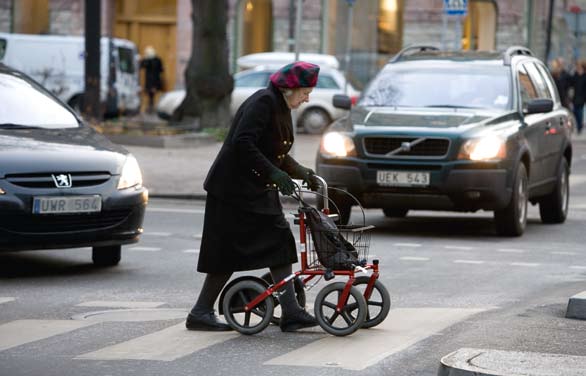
[(313, 116), (62, 184), (456, 131)]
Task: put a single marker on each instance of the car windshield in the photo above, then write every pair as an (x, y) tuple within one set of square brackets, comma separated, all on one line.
[(456, 86), (23, 105)]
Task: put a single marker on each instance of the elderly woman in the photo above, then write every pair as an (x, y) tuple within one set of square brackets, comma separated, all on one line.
[(244, 226)]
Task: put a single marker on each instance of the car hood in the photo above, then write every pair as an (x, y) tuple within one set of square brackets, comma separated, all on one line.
[(419, 118), (64, 150)]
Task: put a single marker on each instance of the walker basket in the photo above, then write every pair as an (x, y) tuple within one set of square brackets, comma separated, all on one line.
[(342, 248)]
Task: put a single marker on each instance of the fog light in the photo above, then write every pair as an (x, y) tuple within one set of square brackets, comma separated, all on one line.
[(2, 191), (474, 195)]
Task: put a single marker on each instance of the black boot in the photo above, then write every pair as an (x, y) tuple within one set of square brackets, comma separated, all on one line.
[(298, 320), (205, 321)]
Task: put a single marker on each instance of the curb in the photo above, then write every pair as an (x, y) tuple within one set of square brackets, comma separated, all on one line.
[(184, 140), (179, 196), (577, 307)]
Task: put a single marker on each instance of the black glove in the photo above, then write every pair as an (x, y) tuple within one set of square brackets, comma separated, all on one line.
[(308, 176), (283, 182)]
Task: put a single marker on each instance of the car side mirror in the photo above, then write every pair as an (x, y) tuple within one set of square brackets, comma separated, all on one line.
[(538, 106), (342, 101)]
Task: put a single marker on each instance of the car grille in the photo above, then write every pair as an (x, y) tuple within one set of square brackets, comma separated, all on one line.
[(45, 180), (45, 224), (429, 147)]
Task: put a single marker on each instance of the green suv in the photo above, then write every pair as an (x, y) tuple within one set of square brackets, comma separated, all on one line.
[(455, 131)]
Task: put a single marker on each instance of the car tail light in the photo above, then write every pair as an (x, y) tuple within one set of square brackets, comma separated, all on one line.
[(354, 99)]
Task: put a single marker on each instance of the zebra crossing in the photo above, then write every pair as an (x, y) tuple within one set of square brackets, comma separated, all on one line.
[(403, 328)]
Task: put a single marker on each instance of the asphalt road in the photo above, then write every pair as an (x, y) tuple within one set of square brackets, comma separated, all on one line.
[(452, 281)]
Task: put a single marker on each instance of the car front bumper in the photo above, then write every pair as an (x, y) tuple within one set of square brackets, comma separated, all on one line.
[(454, 186)]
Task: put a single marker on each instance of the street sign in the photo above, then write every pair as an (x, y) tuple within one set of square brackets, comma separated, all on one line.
[(456, 7), (350, 2)]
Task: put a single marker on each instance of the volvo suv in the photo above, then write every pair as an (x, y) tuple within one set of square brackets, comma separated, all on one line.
[(455, 131)]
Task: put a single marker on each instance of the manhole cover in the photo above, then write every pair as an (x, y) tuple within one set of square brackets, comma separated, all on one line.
[(135, 314)]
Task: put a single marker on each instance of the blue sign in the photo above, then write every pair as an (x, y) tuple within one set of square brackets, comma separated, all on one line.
[(456, 7), (350, 2)]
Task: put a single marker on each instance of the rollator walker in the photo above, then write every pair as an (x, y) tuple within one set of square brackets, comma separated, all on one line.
[(250, 304)]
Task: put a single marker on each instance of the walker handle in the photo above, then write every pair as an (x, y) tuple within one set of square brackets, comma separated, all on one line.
[(324, 193)]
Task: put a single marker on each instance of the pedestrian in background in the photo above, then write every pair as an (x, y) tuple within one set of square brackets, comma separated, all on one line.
[(562, 80), (244, 226), (579, 85), (153, 78)]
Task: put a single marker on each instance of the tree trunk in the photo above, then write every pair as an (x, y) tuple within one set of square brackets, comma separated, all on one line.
[(208, 80)]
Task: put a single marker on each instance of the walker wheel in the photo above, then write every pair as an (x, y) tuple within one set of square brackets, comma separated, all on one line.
[(238, 296), (299, 294), (379, 302), (350, 318)]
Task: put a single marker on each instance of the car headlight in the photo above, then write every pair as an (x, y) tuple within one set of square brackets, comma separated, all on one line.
[(336, 144), (483, 149), (131, 175)]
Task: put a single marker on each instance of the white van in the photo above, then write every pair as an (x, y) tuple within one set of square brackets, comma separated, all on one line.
[(57, 62)]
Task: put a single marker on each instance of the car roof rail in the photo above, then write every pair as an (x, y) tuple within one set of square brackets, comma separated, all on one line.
[(412, 49), (515, 50)]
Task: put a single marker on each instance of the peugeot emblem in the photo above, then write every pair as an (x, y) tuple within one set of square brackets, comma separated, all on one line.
[(62, 180)]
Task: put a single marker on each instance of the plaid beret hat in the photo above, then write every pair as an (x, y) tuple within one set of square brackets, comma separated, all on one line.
[(295, 75)]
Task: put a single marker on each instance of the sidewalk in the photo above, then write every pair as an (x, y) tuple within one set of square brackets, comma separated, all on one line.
[(180, 172)]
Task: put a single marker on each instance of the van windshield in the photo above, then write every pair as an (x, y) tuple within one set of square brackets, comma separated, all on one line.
[(26, 105), (440, 86), (125, 60), (2, 48)]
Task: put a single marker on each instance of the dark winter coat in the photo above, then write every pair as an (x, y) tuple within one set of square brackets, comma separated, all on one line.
[(244, 225), (579, 85), (153, 68)]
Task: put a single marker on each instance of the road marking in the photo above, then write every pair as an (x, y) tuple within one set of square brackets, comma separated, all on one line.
[(116, 304), (171, 210), (145, 249), (191, 251), (407, 245), (154, 233), (528, 264), (6, 300), (403, 328), (19, 332), (165, 345), (468, 262), (510, 250), (459, 247), (412, 258), (197, 236), (577, 179), (563, 253), (579, 267)]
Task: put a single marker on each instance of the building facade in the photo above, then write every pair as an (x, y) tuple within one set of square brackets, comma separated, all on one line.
[(379, 28)]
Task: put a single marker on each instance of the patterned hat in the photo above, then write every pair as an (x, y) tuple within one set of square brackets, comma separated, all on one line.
[(295, 75)]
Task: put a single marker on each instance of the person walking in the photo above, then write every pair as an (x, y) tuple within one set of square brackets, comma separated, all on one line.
[(153, 76), (244, 226), (562, 80), (579, 85)]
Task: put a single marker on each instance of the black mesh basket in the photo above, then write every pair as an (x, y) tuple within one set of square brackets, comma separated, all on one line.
[(340, 249)]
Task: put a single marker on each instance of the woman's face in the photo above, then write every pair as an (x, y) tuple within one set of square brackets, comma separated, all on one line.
[(299, 96)]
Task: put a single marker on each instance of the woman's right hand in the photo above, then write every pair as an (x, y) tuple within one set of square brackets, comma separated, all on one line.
[(283, 182)]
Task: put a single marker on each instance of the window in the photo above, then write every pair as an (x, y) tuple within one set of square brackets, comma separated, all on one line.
[(390, 26), (126, 60), (526, 87), (259, 79), (326, 82), (2, 48), (542, 89), (549, 81)]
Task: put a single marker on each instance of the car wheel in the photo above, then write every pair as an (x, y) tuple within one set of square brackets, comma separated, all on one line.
[(395, 213), (511, 220), (315, 120), (553, 208), (106, 256)]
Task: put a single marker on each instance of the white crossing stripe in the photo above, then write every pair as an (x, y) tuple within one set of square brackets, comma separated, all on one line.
[(19, 332), (510, 250), (402, 328), (468, 262), (191, 251), (6, 300), (528, 264), (117, 304), (407, 245), (154, 233), (579, 267), (577, 179), (410, 258), (166, 345), (563, 253), (463, 248), (172, 210), (145, 249), (197, 236)]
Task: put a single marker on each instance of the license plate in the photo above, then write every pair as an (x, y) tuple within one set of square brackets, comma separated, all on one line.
[(67, 204), (402, 178)]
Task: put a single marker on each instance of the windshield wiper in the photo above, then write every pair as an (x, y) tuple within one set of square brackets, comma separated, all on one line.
[(449, 106), (18, 126)]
